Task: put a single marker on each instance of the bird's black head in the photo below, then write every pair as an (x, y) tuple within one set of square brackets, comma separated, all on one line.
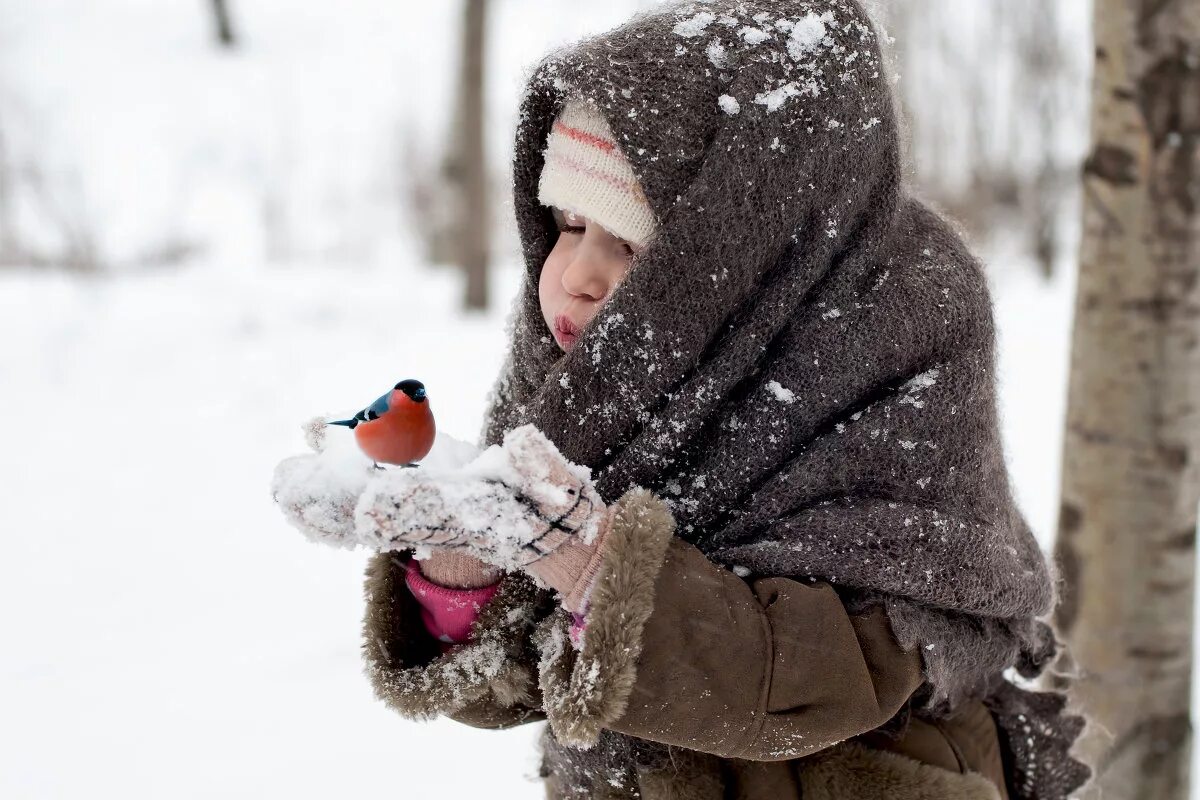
[(414, 389)]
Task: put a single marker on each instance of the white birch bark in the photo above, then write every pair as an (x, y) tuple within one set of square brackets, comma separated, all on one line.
[(1131, 469)]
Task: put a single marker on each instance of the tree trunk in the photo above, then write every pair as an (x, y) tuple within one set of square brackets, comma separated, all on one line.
[(224, 23), (472, 218), (1131, 466), (1040, 50)]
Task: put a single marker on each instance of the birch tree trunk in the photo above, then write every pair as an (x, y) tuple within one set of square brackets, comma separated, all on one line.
[(1131, 468)]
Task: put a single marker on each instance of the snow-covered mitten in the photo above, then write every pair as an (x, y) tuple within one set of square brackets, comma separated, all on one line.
[(519, 505), (318, 491)]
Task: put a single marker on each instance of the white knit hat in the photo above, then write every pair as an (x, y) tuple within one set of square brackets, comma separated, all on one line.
[(586, 173)]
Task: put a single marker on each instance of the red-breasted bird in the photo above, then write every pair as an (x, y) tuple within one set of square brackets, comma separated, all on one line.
[(397, 428)]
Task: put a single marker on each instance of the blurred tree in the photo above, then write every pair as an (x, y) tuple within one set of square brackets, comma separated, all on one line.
[(224, 23), (466, 169), (448, 194), (1131, 468), (992, 96)]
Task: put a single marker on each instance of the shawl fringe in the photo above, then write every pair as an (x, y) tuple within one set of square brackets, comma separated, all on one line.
[(1036, 735)]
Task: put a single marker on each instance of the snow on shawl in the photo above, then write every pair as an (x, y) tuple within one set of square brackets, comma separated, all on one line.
[(801, 362)]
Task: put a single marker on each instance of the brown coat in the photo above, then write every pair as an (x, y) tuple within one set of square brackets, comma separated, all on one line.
[(765, 687)]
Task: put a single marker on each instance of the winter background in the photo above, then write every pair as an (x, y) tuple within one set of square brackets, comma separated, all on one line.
[(202, 248)]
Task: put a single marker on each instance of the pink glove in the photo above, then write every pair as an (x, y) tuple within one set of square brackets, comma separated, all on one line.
[(447, 613)]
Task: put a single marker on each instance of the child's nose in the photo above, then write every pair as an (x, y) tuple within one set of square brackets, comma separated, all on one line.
[(586, 276)]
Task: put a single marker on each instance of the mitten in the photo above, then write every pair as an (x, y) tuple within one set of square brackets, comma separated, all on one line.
[(318, 491), (516, 506)]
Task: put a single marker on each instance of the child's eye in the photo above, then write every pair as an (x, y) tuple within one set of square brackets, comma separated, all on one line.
[(564, 228)]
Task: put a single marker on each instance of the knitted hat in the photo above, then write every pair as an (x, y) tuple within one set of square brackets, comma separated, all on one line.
[(586, 173)]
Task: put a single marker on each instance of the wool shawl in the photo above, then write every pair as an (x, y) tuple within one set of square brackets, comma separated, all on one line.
[(801, 362)]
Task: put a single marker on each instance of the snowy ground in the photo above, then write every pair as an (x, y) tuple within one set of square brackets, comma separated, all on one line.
[(166, 634)]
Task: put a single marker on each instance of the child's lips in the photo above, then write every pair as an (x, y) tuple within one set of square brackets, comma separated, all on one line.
[(566, 332)]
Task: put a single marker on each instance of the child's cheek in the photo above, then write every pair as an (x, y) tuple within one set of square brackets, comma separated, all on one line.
[(546, 292)]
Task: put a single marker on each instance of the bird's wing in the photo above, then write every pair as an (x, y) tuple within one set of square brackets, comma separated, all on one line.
[(373, 411), (376, 409)]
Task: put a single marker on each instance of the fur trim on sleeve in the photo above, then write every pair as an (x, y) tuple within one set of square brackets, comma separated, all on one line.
[(584, 691), (408, 673)]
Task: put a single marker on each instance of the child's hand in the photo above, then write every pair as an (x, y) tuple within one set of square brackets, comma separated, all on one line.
[(510, 509), (318, 494), (517, 506), (520, 506)]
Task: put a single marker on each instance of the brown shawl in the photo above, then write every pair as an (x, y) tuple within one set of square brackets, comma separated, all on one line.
[(801, 363)]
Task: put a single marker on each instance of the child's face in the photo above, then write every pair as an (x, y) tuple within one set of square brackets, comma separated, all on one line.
[(579, 275)]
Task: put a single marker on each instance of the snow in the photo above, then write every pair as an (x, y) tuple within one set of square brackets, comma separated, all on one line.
[(600, 339), (320, 491), (729, 105), (172, 616), (339, 497), (781, 393), (914, 387), (716, 54), (695, 25), (923, 381), (807, 34), (753, 36), (774, 99)]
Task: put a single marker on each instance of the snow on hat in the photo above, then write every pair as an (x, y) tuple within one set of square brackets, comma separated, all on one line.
[(585, 172)]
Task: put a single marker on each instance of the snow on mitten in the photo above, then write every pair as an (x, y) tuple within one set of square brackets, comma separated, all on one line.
[(318, 491), (513, 506)]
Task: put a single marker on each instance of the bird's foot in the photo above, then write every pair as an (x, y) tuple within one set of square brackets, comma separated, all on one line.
[(376, 465), (407, 465)]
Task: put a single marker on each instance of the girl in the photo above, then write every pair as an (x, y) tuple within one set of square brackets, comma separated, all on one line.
[(793, 566)]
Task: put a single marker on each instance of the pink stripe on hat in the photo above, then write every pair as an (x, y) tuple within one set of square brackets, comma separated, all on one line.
[(586, 172)]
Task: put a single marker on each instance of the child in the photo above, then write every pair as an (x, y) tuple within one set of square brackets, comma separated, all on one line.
[(795, 568)]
